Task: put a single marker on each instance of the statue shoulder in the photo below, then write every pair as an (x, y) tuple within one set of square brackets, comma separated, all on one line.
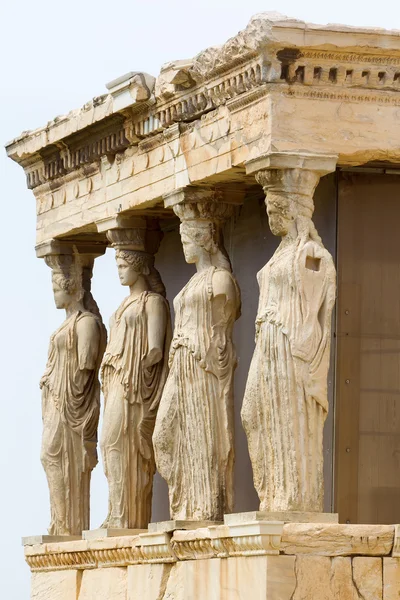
[(88, 324), (155, 302), (224, 283)]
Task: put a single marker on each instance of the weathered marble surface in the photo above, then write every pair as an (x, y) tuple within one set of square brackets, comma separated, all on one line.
[(134, 370), (286, 401), (71, 396), (146, 566), (193, 437), (335, 91), (337, 539)]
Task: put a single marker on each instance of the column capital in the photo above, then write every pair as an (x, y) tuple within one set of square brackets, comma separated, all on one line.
[(87, 250), (233, 195), (291, 178), (130, 232), (120, 221), (322, 164)]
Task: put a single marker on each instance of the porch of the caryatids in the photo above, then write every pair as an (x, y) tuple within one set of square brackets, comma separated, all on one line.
[(194, 433), (133, 373), (285, 403), (71, 388)]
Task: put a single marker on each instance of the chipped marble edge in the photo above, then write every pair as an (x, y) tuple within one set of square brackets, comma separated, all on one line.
[(241, 539), (266, 22)]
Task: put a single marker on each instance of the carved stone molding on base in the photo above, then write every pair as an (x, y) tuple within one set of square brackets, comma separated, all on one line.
[(156, 547), (243, 539)]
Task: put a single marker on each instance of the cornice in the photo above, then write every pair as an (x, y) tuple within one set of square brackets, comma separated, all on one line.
[(360, 65)]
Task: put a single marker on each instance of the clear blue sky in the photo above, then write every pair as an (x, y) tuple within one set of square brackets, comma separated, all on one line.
[(55, 57)]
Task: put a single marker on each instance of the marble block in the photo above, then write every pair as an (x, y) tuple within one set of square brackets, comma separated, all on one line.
[(98, 534), (286, 517), (167, 526), (33, 540)]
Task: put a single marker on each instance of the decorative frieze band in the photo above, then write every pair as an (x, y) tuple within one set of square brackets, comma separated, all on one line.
[(107, 552), (58, 162), (312, 74), (254, 538), (248, 539)]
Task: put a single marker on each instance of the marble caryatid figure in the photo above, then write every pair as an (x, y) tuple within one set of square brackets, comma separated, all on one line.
[(71, 395), (285, 403), (193, 438), (134, 371)]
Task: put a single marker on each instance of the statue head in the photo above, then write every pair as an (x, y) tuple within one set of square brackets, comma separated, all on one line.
[(198, 237), (289, 202), (67, 279), (135, 248), (132, 264), (281, 214), (201, 231)]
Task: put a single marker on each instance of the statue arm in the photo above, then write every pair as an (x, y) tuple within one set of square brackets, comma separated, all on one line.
[(88, 335), (156, 313), (224, 305)]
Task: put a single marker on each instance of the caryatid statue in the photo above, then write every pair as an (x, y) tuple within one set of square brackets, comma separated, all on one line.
[(71, 394), (133, 372), (285, 403), (193, 437)]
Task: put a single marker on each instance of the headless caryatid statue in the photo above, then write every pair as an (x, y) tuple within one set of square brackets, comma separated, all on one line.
[(193, 438), (134, 371), (285, 403), (71, 396)]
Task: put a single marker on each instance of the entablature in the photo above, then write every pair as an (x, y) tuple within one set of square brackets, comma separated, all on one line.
[(279, 85)]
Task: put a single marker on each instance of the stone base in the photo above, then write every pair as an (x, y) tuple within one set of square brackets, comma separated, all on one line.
[(285, 517), (259, 560), (32, 540), (167, 526), (101, 533)]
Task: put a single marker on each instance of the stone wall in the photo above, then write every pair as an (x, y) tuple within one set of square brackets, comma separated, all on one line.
[(257, 560)]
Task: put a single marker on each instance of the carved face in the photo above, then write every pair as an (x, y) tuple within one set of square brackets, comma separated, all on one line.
[(190, 249), (279, 219), (62, 298), (126, 272)]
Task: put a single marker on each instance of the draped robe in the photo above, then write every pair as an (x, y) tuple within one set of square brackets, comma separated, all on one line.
[(285, 403), (132, 394), (193, 437), (70, 409)]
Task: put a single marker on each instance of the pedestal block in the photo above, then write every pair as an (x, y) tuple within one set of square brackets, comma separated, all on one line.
[(261, 560)]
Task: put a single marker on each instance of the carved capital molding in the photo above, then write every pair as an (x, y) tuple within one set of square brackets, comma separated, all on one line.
[(291, 177), (132, 233), (87, 250), (205, 195), (205, 204), (73, 259), (318, 163)]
